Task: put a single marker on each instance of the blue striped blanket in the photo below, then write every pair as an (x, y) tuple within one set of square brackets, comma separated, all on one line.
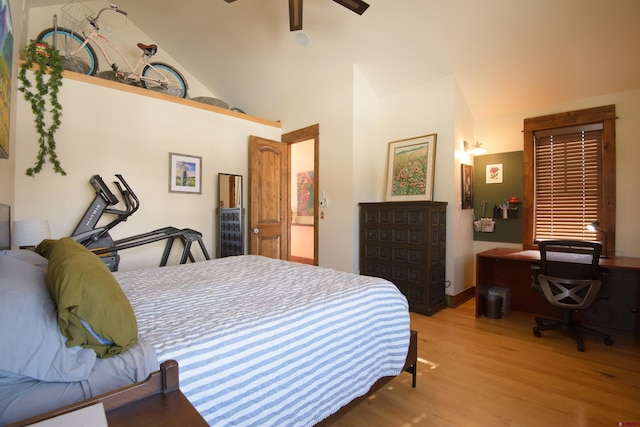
[(264, 342)]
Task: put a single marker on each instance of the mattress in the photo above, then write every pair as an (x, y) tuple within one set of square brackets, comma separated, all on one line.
[(269, 342)]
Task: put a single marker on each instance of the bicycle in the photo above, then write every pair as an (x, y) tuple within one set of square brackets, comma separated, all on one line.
[(79, 56)]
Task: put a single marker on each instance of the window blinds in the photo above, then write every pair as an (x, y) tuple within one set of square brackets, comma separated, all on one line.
[(568, 187)]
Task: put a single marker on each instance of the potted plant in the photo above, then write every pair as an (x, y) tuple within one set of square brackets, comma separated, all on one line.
[(43, 60)]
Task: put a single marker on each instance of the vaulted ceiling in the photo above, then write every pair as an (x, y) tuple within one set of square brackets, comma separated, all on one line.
[(506, 55)]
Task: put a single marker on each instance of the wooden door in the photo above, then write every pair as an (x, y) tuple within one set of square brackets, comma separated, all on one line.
[(268, 198), (291, 138)]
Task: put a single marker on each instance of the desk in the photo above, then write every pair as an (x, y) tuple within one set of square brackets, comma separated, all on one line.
[(511, 268)]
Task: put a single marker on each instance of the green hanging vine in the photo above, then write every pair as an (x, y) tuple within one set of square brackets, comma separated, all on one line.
[(48, 61)]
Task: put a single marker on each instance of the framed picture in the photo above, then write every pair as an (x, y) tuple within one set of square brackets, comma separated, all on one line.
[(185, 173), (467, 186), (495, 173), (6, 57), (410, 168)]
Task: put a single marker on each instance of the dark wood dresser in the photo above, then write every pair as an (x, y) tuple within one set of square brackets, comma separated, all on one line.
[(405, 243), (231, 232)]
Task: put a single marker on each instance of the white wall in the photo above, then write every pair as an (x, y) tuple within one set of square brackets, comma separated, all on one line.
[(356, 127), (107, 132), (462, 229), (426, 109), (328, 102), (368, 177)]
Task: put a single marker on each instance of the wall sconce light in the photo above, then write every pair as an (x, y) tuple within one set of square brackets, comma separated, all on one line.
[(595, 226), (28, 234), (475, 149)]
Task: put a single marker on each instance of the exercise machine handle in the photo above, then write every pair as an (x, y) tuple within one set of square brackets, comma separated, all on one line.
[(128, 196), (100, 187)]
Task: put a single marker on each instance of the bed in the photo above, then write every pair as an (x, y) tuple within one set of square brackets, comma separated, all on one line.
[(259, 341)]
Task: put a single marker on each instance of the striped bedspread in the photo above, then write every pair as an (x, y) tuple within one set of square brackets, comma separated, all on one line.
[(264, 342)]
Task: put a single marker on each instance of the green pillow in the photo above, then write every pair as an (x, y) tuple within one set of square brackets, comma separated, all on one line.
[(93, 312)]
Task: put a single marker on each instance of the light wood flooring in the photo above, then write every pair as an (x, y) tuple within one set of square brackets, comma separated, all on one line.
[(494, 372)]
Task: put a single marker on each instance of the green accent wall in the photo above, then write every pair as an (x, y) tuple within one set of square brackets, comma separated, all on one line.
[(495, 194)]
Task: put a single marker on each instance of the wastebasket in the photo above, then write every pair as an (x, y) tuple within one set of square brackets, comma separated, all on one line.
[(492, 305)]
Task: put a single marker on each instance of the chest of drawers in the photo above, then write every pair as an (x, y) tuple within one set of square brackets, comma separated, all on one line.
[(405, 243)]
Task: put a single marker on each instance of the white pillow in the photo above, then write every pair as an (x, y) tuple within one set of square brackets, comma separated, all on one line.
[(32, 344), (27, 256)]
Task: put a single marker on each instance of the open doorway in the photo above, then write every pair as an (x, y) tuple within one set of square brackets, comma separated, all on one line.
[(304, 200)]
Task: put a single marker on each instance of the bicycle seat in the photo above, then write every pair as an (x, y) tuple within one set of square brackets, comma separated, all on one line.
[(149, 49)]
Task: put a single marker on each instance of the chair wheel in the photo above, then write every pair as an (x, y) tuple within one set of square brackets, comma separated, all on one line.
[(536, 332), (608, 341), (580, 346)]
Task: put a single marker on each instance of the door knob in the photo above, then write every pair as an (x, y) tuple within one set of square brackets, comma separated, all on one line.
[(255, 230)]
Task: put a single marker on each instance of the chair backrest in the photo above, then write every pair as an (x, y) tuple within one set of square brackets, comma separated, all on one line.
[(569, 274), (569, 293)]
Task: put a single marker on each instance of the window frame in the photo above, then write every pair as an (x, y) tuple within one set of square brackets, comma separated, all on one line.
[(607, 212)]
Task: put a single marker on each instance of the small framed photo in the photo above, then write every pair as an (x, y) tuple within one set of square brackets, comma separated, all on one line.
[(185, 173), (494, 173), (467, 186), (410, 169)]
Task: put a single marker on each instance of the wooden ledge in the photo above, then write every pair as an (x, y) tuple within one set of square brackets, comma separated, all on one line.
[(144, 92)]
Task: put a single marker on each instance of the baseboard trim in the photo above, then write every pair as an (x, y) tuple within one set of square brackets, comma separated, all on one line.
[(461, 297), (301, 260)]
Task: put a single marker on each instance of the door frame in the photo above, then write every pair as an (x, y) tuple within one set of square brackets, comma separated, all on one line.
[(300, 135)]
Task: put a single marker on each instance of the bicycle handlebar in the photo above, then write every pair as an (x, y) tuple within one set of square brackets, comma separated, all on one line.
[(112, 7), (116, 9)]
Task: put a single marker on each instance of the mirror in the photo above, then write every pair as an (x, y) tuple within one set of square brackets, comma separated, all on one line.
[(230, 215)]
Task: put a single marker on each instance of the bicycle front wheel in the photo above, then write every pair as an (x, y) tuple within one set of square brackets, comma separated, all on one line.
[(75, 56), (160, 77)]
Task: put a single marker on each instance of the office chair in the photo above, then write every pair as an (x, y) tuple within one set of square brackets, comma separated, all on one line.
[(570, 279)]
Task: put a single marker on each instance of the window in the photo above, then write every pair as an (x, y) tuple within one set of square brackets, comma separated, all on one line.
[(570, 176)]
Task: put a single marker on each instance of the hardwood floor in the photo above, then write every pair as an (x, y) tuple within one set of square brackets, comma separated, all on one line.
[(494, 372)]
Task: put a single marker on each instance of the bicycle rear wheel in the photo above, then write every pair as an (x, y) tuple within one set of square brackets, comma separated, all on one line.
[(74, 57), (160, 77)]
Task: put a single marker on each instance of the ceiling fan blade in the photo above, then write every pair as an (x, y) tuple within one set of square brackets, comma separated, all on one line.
[(295, 15), (358, 6), (295, 10)]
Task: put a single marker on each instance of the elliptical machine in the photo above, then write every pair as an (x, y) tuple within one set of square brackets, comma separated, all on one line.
[(100, 242)]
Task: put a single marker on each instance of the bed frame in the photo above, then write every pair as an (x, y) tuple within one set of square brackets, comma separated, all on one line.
[(409, 366), (159, 401), (154, 401)]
